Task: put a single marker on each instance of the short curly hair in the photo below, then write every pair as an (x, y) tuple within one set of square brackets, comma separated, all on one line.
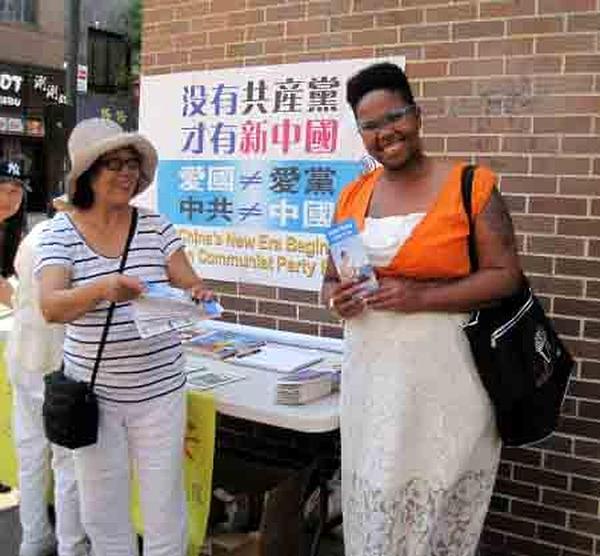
[(385, 75)]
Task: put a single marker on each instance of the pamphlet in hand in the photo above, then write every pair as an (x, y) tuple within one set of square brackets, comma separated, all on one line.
[(162, 308), (349, 254)]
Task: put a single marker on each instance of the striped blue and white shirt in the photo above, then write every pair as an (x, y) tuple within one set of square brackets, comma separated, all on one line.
[(132, 369)]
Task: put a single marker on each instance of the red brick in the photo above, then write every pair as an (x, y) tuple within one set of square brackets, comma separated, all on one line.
[(503, 86), (584, 524), (398, 17), (330, 40), (327, 8), (582, 144), (577, 307), (446, 125), (591, 370), (242, 49), (506, 8), (298, 296), (517, 490), (592, 329), (425, 33), (538, 512), (566, 538), (207, 53), (481, 144), (518, 545), (228, 5), (505, 47), (451, 13), (287, 12), (158, 16), (579, 227), (448, 87), (308, 27), (426, 69), (446, 50), (574, 465), (583, 22), (411, 51), (578, 267), (434, 144), (571, 84), (374, 37), (249, 17), (580, 186), (372, 5), (553, 245), (530, 144), (536, 264), (556, 442), (564, 124), (506, 522), (515, 203), (331, 331), (589, 410), (585, 350), (298, 327), (560, 6), (504, 164), (567, 327), (254, 320), (253, 290), (284, 45), (597, 161), (527, 65), (561, 166), (477, 29), (216, 38), (558, 205), (565, 43), (528, 184), (582, 63), (352, 22), (490, 66), (535, 25), (540, 477), (264, 31), (171, 58), (594, 250), (526, 456)]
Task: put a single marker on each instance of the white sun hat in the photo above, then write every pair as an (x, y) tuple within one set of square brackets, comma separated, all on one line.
[(94, 137)]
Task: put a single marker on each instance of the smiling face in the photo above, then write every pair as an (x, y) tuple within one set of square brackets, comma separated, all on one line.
[(118, 176), (389, 127), (11, 197)]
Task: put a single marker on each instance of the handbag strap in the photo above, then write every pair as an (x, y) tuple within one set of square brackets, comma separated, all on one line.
[(466, 182), (111, 308)]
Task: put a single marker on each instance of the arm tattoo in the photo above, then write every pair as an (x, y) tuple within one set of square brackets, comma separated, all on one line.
[(497, 218)]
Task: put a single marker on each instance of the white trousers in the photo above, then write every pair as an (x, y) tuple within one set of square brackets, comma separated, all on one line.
[(35, 454), (151, 435)]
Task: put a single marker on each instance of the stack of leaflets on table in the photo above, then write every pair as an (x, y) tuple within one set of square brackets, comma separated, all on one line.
[(221, 344), (349, 254), (162, 308), (303, 386), (331, 364)]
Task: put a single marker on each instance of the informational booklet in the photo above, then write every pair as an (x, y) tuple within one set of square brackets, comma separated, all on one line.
[(349, 254), (162, 308), (303, 386), (280, 358), (221, 344), (206, 379)]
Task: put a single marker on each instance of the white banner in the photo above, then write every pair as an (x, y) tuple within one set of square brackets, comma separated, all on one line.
[(251, 162)]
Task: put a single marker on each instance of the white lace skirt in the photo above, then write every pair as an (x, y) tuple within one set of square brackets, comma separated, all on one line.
[(419, 443)]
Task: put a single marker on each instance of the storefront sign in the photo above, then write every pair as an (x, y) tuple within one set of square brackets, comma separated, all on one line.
[(82, 78), (24, 87), (251, 163), (108, 107)]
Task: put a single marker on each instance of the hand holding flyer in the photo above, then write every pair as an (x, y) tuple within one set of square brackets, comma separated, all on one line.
[(162, 308), (349, 254)]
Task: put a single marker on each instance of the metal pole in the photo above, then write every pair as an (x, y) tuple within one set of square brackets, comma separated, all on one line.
[(72, 51)]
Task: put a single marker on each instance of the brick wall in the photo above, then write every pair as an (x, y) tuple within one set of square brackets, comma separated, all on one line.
[(513, 84)]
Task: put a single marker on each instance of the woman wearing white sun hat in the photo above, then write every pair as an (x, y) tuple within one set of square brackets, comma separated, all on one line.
[(140, 382), (33, 349)]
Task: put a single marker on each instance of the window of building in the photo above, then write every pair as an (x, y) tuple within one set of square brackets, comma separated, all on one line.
[(23, 11), (109, 59)]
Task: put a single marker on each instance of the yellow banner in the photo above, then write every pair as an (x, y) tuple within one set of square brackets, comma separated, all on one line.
[(8, 456)]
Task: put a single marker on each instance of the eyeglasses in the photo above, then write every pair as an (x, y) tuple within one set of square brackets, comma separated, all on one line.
[(116, 164), (392, 117)]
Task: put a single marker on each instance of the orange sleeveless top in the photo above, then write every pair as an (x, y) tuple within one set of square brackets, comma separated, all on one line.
[(437, 247)]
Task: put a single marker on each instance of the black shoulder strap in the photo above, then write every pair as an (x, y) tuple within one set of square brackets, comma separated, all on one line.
[(467, 193), (111, 308)]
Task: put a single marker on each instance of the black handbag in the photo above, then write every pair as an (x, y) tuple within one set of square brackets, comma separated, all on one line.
[(522, 362), (70, 408)]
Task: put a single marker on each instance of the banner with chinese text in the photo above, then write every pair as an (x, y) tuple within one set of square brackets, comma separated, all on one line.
[(251, 163)]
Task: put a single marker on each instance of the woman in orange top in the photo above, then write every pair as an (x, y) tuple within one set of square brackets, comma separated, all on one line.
[(419, 443)]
